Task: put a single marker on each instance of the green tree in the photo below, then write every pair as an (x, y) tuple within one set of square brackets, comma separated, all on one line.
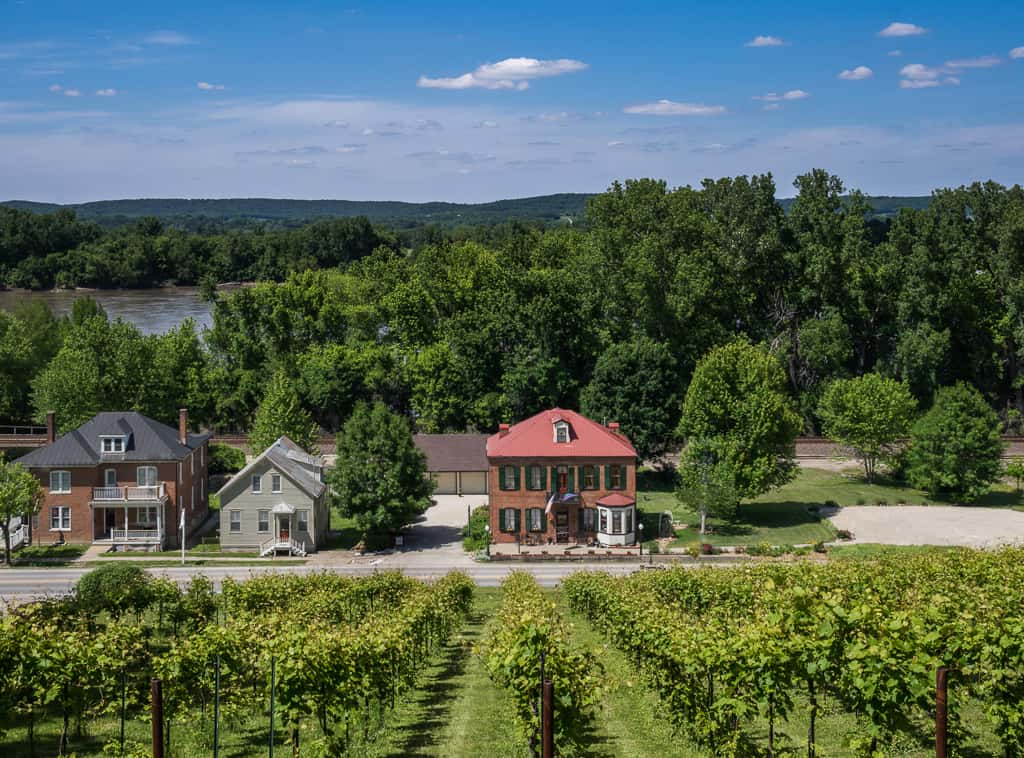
[(280, 413), (115, 588), (380, 478), (955, 447), (707, 485), (869, 415), (736, 406), (1015, 468), (20, 496), (635, 383)]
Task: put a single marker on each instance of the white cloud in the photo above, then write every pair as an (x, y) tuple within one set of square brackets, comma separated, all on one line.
[(773, 97), (616, 143), (894, 53), (773, 107), (109, 92), (918, 83), (359, 147), (765, 40), (486, 125), (56, 88), (207, 86), (71, 93), (919, 72), (670, 108), (337, 124), (1017, 53), (511, 73), (167, 37), (987, 61), (901, 29), (856, 74), (920, 76)]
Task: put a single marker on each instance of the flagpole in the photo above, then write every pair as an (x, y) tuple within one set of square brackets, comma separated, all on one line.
[(183, 536)]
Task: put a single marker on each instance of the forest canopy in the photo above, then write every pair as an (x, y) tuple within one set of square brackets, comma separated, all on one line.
[(463, 330)]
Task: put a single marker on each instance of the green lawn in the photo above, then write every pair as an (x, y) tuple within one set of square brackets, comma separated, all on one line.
[(781, 517), (870, 550), (47, 555)]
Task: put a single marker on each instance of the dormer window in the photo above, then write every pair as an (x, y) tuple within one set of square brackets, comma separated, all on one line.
[(112, 444), (561, 432)]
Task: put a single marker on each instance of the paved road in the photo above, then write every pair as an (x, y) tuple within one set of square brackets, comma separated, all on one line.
[(19, 585), (960, 525)]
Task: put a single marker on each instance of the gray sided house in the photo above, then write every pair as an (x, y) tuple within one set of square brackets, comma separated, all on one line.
[(277, 503)]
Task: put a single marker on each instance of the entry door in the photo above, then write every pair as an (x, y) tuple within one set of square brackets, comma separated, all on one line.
[(110, 520), (561, 526), (284, 527)]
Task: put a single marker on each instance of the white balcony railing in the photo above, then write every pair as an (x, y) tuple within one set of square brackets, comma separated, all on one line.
[(135, 535), (124, 494)]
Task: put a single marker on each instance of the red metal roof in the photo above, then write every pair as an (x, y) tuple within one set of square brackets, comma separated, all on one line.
[(535, 438), (616, 499)]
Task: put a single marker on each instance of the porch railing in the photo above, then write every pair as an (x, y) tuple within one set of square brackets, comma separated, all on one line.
[(124, 494), (19, 536), (135, 535)]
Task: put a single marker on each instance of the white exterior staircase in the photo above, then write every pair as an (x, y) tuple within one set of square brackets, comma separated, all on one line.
[(273, 546)]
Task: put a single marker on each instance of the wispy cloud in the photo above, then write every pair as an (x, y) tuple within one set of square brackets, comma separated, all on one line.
[(765, 40), (1017, 53), (108, 92), (987, 61), (902, 29), (920, 76), (71, 93), (454, 156), (774, 97), (894, 53), (169, 38), (356, 147), (856, 74), (671, 108), (55, 88), (511, 73), (485, 125), (207, 86)]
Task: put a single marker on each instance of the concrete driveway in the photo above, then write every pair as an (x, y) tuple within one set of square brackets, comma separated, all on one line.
[(437, 536), (964, 526)]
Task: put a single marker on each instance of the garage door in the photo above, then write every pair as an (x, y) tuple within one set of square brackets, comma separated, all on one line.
[(474, 482), (445, 482)]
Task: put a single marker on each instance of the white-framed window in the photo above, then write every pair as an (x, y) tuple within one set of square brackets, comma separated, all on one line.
[(235, 521), (303, 521), (60, 518), (275, 482), (509, 516), (590, 477), (561, 432), (60, 481), (616, 522), (508, 477), (535, 519), (616, 477), (262, 521), (536, 477), (145, 476), (257, 484), (112, 444), (588, 519), (603, 520), (110, 477), (629, 521)]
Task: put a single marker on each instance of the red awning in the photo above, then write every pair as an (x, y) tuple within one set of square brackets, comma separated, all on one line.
[(615, 499)]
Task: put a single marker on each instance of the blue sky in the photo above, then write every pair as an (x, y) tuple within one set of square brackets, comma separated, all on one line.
[(468, 102)]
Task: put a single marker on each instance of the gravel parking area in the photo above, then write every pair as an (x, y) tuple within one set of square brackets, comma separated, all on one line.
[(932, 525)]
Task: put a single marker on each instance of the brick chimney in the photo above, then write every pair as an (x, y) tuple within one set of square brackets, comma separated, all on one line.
[(51, 427), (502, 430), (183, 425), (614, 426)]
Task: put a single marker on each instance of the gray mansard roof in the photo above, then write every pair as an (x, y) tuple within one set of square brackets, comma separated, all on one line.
[(291, 460), (146, 440)]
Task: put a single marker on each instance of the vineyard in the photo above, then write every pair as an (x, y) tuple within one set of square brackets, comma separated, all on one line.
[(772, 659)]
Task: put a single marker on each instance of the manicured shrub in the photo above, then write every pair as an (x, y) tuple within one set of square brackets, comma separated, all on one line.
[(115, 588)]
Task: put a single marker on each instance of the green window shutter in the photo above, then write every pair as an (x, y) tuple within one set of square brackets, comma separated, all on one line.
[(572, 478), (543, 520), (544, 477), (622, 476), (517, 483), (518, 520), (583, 480), (554, 478), (607, 477), (580, 529)]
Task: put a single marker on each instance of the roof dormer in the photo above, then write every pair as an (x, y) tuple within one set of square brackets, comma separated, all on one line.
[(113, 444), (561, 431)]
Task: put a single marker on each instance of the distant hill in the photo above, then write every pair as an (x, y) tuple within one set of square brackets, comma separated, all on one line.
[(274, 212), (281, 212)]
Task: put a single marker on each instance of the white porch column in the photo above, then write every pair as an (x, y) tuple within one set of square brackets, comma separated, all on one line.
[(126, 523), (160, 524)]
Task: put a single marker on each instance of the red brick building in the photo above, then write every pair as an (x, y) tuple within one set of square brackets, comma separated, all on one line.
[(561, 478), (121, 479)]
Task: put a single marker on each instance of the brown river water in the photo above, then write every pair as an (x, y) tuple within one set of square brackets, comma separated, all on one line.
[(152, 310)]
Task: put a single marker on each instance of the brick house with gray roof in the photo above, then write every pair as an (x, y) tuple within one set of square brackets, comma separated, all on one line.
[(121, 479)]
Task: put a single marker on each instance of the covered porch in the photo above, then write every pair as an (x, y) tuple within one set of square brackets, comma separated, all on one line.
[(129, 526), (282, 530)]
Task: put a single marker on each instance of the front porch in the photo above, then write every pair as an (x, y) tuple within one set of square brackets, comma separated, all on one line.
[(281, 539), (129, 527)]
